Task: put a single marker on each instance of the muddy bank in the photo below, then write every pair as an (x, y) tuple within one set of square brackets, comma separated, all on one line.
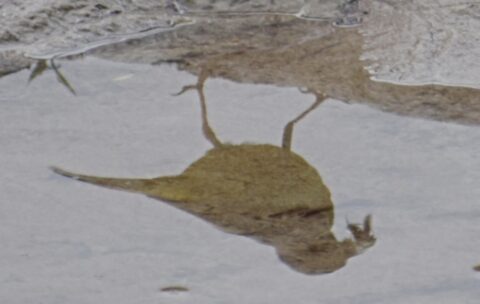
[(42, 28), (287, 51), (406, 41), (249, 42), (48, 26), (12, 61)]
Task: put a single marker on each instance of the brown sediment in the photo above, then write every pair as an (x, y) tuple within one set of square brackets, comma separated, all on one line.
[(287, 51), (331, 65)]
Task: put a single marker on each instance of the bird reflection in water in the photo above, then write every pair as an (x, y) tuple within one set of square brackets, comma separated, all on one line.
[(262, 191)]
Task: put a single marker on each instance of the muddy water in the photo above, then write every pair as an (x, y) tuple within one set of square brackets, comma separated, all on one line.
[(281, 169)]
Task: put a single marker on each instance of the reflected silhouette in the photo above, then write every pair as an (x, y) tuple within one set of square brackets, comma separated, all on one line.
[(262, 191), (42, 65)]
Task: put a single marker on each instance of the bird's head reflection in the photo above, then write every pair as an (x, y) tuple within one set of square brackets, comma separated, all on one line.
[(262, 191), (323, 253)]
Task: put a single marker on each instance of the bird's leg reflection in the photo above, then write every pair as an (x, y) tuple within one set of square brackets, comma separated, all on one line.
[(288, 130), (42, 65), (199, 87)]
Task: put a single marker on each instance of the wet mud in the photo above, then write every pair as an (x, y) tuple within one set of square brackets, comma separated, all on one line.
[(287, 51), (278, 48)]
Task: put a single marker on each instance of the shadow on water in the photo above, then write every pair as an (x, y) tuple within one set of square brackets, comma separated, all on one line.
[(262, 191)]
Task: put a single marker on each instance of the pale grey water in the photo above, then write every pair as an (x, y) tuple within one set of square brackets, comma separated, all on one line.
[(79, 243), (64, 241)]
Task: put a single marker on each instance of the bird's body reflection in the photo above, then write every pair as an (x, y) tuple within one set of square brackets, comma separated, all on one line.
[(262, 191)]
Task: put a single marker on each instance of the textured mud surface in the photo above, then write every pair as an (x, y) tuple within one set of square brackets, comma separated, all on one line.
[(268, 42), (287, 51), (48, 26), (53, 27)]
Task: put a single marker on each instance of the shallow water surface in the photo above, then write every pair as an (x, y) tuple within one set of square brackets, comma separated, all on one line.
[(72, 241), (294, 162)]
